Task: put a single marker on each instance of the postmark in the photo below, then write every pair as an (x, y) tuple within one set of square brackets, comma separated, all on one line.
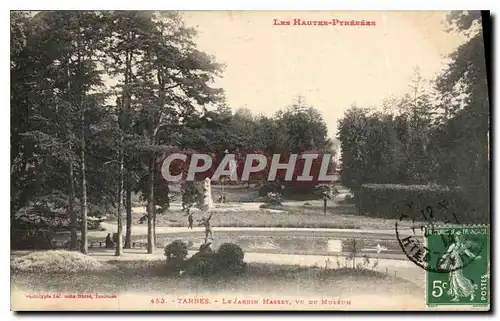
[(414, 245), (419, 252)]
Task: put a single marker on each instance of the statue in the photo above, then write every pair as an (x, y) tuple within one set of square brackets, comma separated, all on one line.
[(205, 222), (207, 194)]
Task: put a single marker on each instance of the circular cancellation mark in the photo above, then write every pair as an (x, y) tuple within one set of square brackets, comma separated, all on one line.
[(431, 258)]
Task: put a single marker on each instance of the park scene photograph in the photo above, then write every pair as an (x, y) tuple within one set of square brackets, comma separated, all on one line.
[(249, 160)]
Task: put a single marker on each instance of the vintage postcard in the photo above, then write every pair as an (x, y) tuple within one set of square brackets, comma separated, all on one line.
[(250, 160)]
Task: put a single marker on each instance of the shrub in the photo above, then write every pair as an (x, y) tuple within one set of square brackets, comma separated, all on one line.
[(202, 264), (22, 239), (32, 228), (94, 222), (174, 266), (230, 257), (205, 248), (326, 191), (273, 199), (392, 201), (270, 187), (349, 199), (177, 250), (299, 192)]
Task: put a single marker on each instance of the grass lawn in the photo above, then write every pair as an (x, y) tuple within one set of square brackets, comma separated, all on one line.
[(295, 218), (150, 276), (344, 217), (297, 214)]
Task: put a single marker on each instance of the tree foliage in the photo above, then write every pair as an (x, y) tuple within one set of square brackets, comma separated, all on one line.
[(427, 137), (77, 137)]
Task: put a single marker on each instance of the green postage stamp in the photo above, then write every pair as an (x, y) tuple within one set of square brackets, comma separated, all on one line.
[(460, 273)]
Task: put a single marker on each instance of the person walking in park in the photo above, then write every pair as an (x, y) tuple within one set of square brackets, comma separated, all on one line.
[(190, 220), (109, 242)]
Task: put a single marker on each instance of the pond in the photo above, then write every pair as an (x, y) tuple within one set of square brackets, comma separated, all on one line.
[(293, 243)]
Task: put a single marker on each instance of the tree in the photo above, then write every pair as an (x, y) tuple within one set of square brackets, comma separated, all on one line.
[(353, 135), (191, 196), (129, 38), (63, 77), (463, 129), (374, 148), (466, 119), (425, 136), (70, 150), (326, 192), (303, 127), (84, 28), (174, 80)]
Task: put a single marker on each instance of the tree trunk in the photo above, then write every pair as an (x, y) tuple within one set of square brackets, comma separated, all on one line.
[(151, 207), (354, 252), (128, 201), (167, 205), (74, 224), (119, 243), (324, 206), (154, 225), (83, 201), (155, 212), (73, 215), (126, 127)]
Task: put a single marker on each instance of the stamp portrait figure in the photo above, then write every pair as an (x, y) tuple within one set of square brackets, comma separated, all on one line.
[(453, 259)]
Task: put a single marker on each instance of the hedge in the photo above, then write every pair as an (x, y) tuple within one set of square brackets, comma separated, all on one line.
[(393, 201)]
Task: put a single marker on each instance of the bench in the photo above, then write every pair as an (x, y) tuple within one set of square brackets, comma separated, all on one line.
[(102, 244), (140, 244), (95, 243)]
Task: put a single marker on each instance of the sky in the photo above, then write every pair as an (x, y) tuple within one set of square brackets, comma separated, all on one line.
[(332, 67)]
